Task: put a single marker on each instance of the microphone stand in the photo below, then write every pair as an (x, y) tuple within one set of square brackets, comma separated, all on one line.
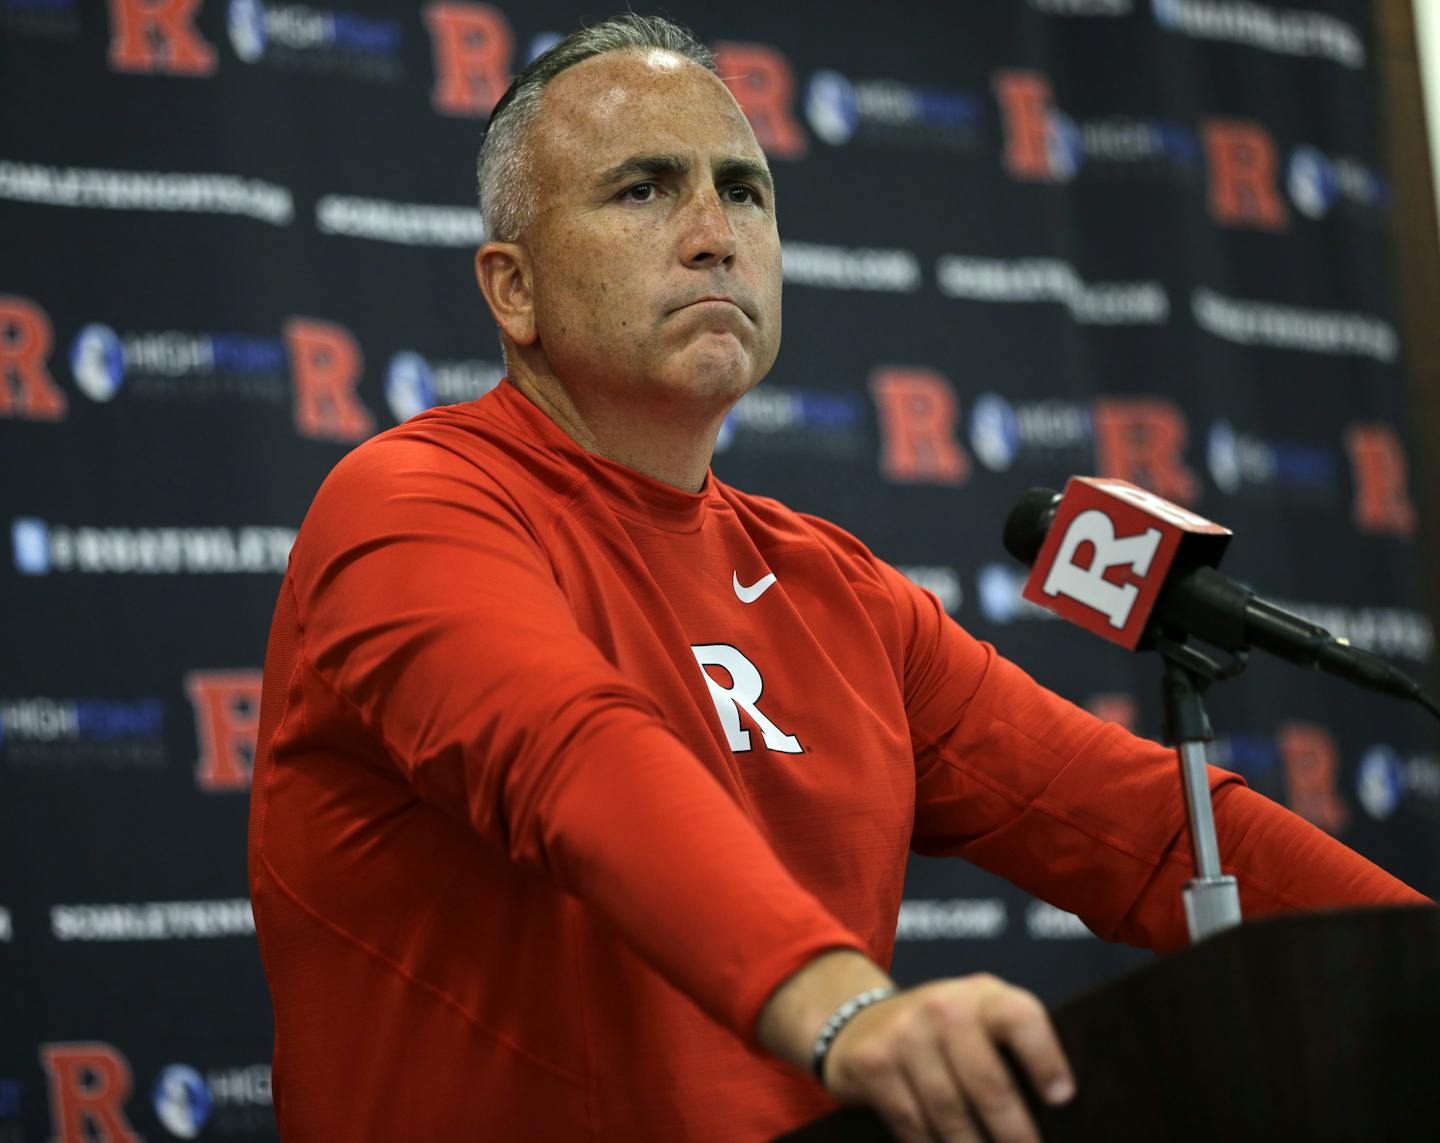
[(1212, 898)]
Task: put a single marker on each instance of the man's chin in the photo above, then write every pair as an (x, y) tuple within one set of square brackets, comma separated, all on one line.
[(716, 372)]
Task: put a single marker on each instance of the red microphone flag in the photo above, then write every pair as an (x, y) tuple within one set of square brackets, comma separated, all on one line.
[(1106, 556)]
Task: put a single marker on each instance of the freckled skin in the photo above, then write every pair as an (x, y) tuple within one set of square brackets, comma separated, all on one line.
[(592, 298)]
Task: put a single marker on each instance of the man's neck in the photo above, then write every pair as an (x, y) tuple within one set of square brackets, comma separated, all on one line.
[(651, 439)]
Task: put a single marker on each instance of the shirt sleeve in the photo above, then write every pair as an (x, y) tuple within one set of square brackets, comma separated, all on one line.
[(428, 605), (1080, 812)]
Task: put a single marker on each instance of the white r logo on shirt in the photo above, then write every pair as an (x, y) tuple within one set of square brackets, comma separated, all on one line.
[(743, 693)]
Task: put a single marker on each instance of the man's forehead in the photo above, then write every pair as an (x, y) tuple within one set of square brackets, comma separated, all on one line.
[(618, 103)]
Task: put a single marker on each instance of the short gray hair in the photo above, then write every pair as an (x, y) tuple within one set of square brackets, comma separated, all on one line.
[(507, 194)]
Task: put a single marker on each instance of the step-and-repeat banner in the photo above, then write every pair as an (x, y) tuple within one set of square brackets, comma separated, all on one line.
[(1140, 238)]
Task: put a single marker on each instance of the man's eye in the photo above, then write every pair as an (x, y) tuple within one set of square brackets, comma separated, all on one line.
[(741, 193), (640, 192)]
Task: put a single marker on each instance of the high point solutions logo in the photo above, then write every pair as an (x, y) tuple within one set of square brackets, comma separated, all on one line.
[(172, 363), (841, 110), (55, 732), (1238, 460), (414, 383), (227, 1099), (300, 36)]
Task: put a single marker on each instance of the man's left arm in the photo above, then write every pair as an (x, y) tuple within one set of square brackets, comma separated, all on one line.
[(1080, 812)]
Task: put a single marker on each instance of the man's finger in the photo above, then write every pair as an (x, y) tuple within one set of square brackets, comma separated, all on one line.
[(941, 1099), (988, 1086), (1018, 1020), (900, 1108)]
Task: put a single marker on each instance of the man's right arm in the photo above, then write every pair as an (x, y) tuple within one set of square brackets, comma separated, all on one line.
[(429, 607)]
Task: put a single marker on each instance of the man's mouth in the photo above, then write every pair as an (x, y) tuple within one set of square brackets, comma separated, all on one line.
[(713, 299)]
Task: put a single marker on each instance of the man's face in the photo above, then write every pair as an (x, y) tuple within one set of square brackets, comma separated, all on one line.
[(652, 195)]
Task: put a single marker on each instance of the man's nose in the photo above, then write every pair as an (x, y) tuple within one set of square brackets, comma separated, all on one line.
[(708, 238)]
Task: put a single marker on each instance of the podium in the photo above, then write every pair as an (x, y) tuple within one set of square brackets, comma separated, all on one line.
[(1315, 1026)]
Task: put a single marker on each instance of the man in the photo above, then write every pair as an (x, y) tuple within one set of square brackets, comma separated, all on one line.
[(585, 783)]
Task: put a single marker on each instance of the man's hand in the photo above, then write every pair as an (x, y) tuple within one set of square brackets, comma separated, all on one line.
[(925, 1059)]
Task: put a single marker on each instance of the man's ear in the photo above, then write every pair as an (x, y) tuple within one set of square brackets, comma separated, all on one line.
[(503, 271)]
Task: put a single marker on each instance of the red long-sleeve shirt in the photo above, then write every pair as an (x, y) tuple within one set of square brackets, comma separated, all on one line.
[(544, 811)]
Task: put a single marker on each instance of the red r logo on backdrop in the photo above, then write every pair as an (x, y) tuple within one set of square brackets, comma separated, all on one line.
[(26, 388), (1243, 166), (1141, 440), (227, 724), (1025, 106), (760, 79), (1312, 766), (325, 365), (1377, 468), (158, 36), (473, 51), (89, 1084), (918, 413)]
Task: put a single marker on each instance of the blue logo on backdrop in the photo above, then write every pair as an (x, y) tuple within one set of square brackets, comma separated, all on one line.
[(30, 540), (830, 107), (1311, 183), (9, 1098), (97, 361), (288, 33), (1380, 781), (39, 7), (1064, 150), (1167, 12), (1255, 756), (776, 417), (839, 109), (101, 360), (409, 385), (245, 21), (1318, 182), (998, 587), (994, 431), (38, 719), (1003, 433), (1237, 460), (182, 1100), (541, 44)]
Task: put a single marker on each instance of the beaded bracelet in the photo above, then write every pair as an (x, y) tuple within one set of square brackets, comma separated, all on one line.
[(838, 1019)]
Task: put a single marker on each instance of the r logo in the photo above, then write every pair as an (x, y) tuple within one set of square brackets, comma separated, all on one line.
[(743, 693), (1141, 441), (918, 413), (1377, 462), (227, 720), (26, 387), (760, 79), (1094, 531), (326, 364), (1026, 106), (89, 1084), (158, 36), (1114, 706), (1243, 167), (1312, 767), (473, 51)]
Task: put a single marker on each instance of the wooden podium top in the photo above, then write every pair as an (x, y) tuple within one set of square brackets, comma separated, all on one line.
[(1315, 1026)]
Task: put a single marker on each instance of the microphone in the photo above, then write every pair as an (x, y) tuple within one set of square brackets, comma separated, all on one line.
[(1167, 582)]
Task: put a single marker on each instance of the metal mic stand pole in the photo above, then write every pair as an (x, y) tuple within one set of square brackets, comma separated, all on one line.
[(1212, 898)]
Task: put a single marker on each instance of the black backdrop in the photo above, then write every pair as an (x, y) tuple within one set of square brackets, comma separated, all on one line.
[(1023, 240)]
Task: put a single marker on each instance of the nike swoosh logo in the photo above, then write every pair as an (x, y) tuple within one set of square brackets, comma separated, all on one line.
[(754, 591)]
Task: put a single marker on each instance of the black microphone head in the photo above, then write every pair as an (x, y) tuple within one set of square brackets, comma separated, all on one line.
[(1028, 522)]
